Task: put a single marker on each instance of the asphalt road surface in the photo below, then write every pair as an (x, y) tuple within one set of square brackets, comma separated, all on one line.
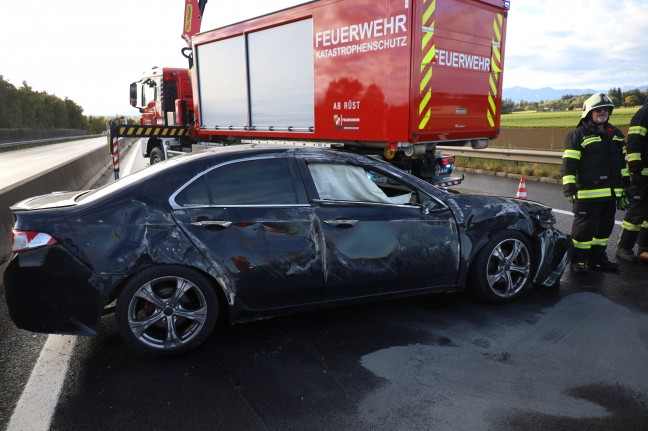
[(573, 358)]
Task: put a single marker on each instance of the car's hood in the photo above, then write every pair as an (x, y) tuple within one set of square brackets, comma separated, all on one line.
[(52, 200)]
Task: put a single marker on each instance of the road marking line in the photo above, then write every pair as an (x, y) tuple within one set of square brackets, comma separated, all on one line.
[(131, 158), (572, 214), (36, 406)]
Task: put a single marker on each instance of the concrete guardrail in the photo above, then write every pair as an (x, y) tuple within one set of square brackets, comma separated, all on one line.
[(78, 174)]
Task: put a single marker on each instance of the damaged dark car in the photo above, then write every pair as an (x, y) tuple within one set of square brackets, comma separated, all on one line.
[(246, 232)]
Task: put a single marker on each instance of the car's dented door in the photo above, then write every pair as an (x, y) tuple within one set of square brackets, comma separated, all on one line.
[(386, 248), (374, 248), (267, 250)]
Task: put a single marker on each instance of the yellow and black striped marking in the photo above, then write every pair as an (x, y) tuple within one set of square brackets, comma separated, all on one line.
[(428, 51), (496, 69), (130, 131)]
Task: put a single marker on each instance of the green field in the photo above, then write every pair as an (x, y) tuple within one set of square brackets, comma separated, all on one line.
[(535, 138), (620, 118)]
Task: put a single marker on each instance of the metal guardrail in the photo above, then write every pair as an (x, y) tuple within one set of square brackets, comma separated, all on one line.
[(529, 156), (36, 142)]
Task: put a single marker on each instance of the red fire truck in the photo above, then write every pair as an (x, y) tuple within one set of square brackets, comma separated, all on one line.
[(393, 78)]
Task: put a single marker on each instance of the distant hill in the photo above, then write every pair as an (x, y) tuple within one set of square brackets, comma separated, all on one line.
[(547, 93)]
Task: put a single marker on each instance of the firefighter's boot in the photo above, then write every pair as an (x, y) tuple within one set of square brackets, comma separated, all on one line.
[(579, 266), (626, 254), (643, 257), (625, 245), (598, 260), (604, 265)]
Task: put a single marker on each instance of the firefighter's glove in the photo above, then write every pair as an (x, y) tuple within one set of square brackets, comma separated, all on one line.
[(622, 202), (570, 191)]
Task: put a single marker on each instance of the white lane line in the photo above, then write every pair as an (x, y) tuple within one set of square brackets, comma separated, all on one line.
[(569, 213), (36, 406), (131, 157)]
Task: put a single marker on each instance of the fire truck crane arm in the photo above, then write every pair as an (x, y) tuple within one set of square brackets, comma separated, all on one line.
[(192, 18)]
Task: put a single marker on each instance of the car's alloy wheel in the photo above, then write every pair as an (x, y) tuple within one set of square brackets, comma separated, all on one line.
[(502, 270), (166, 310)]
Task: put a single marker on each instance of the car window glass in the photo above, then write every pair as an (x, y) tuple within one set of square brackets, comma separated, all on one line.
[(252, 182), (355, 183), (195, 194)]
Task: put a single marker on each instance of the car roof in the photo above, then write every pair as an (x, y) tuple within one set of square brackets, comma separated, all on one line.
[(258, 149), (265, 148)]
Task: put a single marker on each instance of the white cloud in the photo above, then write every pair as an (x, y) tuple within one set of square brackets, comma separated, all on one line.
[(576, 44)]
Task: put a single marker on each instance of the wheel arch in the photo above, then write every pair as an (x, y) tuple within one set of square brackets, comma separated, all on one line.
[(483, 240), (224, 311)]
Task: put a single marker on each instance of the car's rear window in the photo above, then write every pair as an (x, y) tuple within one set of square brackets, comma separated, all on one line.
[(124, 181), (252, 182)]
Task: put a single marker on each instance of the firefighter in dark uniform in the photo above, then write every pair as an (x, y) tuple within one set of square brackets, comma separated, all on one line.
[(593, 168), (635, 223)]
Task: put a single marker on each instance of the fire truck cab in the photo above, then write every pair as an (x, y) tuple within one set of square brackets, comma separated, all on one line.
[(164, 98)]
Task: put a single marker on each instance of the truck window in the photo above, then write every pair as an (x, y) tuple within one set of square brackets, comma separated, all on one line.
[(149, 92)]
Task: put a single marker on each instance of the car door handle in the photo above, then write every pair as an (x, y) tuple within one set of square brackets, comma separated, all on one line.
[(217, 223), (342, 222)]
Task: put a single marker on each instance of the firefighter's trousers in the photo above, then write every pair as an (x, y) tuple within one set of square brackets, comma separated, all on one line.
[(593, 224), (635, 222)]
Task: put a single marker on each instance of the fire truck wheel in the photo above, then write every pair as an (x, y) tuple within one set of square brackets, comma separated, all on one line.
[(389, 153), (156, 155)]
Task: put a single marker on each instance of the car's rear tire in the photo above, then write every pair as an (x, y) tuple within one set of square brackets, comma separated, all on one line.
[(156, 156), (502, 270), (166, 310)]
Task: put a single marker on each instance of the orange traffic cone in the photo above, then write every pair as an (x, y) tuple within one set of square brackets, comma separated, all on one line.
[(521, 192)]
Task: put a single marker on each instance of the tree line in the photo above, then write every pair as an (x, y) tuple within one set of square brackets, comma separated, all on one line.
[(24, 108), (570, 102)]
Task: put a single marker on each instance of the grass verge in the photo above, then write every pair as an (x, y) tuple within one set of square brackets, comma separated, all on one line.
[(540, 170)]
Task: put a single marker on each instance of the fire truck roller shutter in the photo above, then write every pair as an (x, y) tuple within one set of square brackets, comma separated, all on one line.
[(282, 77), (281, 80)]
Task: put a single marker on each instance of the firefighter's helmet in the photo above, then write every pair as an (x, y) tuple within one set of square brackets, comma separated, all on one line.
[(598, 100)]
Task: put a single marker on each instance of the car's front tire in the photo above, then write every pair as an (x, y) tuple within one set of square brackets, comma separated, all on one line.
[(502, 270), (166, 310)]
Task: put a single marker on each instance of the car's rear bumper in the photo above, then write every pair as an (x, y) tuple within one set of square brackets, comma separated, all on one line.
[(49, 290)]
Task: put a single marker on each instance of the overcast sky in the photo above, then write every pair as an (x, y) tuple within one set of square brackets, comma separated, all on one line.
[(90, 51)]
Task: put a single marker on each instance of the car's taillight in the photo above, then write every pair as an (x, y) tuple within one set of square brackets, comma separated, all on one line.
[(22, 240)]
